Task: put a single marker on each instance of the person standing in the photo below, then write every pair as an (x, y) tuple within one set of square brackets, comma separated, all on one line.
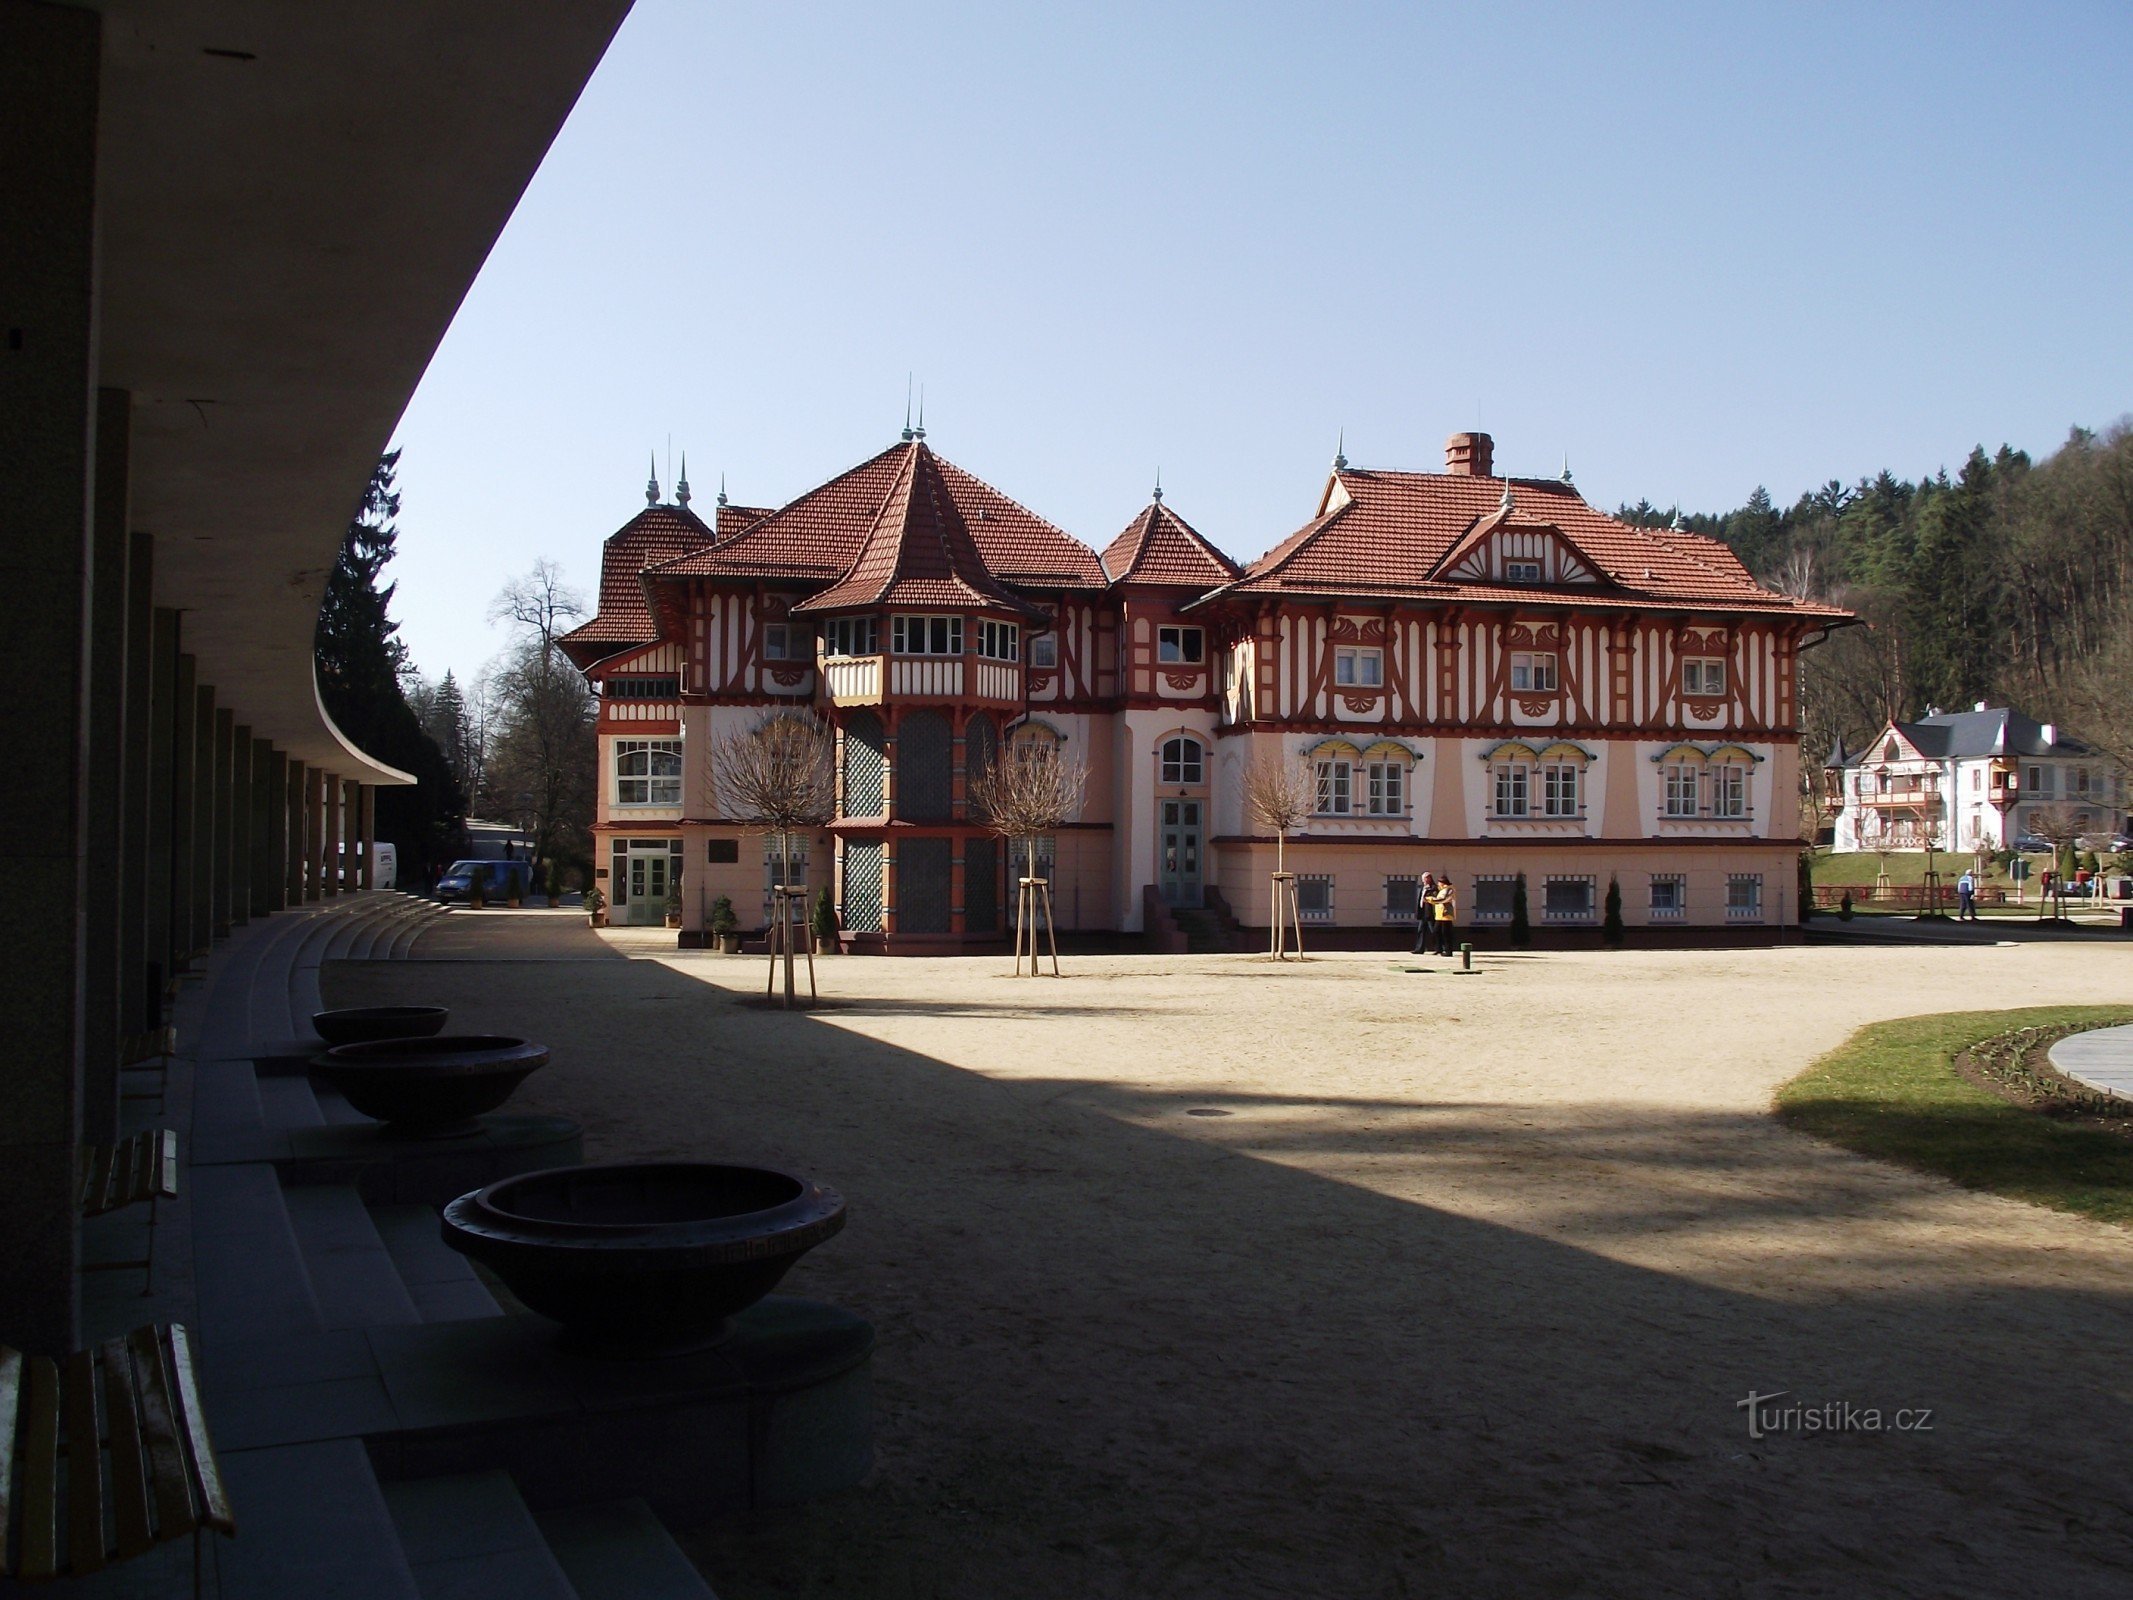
[(1447, 915), (1966, 897), (1425, 912)]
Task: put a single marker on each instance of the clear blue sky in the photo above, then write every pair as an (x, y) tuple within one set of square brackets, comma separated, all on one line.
[(1692, 248)]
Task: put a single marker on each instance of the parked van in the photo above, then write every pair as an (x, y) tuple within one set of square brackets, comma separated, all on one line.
[(505, 878), (384, 865)]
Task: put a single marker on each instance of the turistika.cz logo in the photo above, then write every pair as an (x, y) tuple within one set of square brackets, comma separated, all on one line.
[(1767, 1417)]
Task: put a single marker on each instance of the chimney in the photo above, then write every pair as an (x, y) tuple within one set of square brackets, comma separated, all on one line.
[(1470, 455), (1981, 706), (2050, 730)]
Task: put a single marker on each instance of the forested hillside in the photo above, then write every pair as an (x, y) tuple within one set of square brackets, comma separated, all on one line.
[(2011, 581)]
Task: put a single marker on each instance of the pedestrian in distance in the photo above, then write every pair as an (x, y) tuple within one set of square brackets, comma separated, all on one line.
[(1447, 915), (1966, 897), (1424, 912)]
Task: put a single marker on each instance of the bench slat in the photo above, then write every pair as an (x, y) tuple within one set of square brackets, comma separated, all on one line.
[(167, 1463), (40, 1471), (215, 1508), (85, 1464), (147, 1153), (167, 1163), (129, 1465), (10, 1408)]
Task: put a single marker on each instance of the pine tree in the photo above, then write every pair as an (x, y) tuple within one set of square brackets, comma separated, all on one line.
[(1611, 927)]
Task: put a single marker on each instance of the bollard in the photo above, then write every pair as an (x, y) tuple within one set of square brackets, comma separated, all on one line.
[(1466, 960)]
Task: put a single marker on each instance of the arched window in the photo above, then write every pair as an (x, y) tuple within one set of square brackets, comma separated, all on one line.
[(1184, 761), (648, 772)]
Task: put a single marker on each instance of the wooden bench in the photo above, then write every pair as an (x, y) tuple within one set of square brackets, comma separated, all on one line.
[(143, 1167), (103, 1456)]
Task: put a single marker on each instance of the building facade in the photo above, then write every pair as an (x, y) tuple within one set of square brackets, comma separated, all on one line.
[(1483, 676), (1985, 779)]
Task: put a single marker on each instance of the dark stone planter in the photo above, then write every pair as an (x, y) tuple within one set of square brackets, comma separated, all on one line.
[(643, 1258), (432, 1088), (362, 1024)]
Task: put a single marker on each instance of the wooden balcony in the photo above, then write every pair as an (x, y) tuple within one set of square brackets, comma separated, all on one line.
[(872, 680)]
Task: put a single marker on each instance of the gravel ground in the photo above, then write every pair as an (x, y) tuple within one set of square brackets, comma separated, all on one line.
[(1459, 1295)]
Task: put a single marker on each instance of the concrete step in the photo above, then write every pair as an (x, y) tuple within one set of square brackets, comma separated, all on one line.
[(470, 1537), (287, 1101), (353, 1280), (442, 1283), (248, 1269), (311, 1522), (621, 1551)]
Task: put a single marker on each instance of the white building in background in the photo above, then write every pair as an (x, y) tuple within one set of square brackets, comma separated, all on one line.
[(1965, 780)]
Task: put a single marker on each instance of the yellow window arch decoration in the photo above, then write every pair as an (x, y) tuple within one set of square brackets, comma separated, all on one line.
[(1333, 750), (1391, 750)]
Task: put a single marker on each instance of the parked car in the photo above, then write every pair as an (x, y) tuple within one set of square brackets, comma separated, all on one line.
[(2031, 844), (457, 880)]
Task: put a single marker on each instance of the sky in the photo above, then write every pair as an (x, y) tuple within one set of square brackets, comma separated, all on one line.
[(1688, 250)]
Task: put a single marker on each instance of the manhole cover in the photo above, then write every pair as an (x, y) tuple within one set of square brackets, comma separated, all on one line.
[(1208, 1111)]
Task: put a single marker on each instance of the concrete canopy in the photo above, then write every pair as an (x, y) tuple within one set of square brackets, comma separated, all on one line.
[(292, 202)]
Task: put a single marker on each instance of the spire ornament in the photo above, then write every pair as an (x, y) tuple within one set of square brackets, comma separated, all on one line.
[(1340, 452), (681, 488), (721, 488), (1509, 505), (1158, 485), (651, 482)]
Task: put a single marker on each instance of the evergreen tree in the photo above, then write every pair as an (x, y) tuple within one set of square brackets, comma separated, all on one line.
[(360, 667), (1611, 924), (1521, 924)]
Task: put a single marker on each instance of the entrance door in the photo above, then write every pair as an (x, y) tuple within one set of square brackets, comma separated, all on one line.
[(649, 882), (1178, 852)]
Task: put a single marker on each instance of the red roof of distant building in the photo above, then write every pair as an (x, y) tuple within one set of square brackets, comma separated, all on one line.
[(1387, 532), (733, 519), (919, 552), (655, 534), (1159, 546)]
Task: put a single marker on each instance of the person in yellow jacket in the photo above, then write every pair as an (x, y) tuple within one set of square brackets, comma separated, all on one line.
[(1444, 908)]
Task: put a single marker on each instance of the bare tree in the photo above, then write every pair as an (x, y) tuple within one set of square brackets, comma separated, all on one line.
[(539, 767), (1279, 795), (779, 778), (1022, 796)]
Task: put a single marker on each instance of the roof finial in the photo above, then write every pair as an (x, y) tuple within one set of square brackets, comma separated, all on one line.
[(1566, 467), (721, 488), (1340, 451), (1159, 485), (907, 408), (651, 482), (1509, 505), (681, 488), (1680, 523), (919, 432)]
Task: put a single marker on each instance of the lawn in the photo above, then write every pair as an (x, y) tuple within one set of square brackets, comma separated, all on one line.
[(1892, 1091)]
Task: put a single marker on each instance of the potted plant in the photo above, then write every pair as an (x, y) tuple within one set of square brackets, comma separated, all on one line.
[(514, 888), (674, 907), (825, 923), (477, 888), (725, 926), (595, 908)]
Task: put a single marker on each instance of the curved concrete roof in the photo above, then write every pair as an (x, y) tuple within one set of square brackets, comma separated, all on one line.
[(293, 200)]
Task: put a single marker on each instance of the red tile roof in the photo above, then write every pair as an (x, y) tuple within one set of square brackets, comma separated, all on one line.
[(818, 536), (918, 553), (733, 519), (1159, 546), (655, 534), (1395, 528)]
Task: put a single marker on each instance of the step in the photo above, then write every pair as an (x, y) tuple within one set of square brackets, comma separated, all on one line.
[(286, 1101), (248, 1270), (311, 1522), (442, 1283), (621, 1551), (470, 1537), (353, 1279)]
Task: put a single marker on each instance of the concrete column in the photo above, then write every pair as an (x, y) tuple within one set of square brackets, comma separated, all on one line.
[(201, 929), (242, 804), (368, 827), (48, 98), (314, 832), (133, 786), (330, 856), (104, 770), (352, 834), (267, 813), (184, 804), (223, 843), (162, 804), (292, 833)]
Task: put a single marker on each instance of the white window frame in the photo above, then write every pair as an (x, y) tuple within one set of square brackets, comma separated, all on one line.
[(1729, 791), (1335, 787), (1682, 795), (1385, 789), (778, 641), (1533, 672), (1358, 666), (1000, 641), (1191, 756), (1309, 884), (1703, 675), (1044, 650), (1587, 913), (920, 634), (852, 636), (1406, 905), (1480, 912), (1562, 789), (647, 755), (1744, 897), (1513, 790), (1678, 883), (1177, 645), (1521, 572)]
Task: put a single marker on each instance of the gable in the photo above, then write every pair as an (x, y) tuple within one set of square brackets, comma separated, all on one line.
[(1513, 554)]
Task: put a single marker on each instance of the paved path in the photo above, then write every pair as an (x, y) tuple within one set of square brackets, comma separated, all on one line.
[(2101, 1058)]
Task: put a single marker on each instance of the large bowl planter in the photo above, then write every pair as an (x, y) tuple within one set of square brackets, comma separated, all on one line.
[(643, 1258), (362, 1024), (432, 1088)]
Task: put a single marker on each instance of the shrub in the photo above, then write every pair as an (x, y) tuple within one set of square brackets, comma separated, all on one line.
[(722, 918), (1611, 923), (1844, 907), (825, 915), (595, 902), (1521, 925), (478, 887)]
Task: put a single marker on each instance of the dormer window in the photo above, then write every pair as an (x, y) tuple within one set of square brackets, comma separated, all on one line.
[(1522, 572), (1358, 667), (1533, 671), (1703, 675)]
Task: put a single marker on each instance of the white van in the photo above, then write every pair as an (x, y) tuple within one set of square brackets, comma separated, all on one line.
[(384, 865)]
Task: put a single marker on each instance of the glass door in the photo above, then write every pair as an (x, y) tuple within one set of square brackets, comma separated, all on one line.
[(1178, 852)]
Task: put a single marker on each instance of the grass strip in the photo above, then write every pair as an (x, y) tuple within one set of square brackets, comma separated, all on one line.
[(1892, 1091)]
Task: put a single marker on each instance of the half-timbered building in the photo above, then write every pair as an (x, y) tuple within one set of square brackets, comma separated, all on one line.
[(1485, 677)]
